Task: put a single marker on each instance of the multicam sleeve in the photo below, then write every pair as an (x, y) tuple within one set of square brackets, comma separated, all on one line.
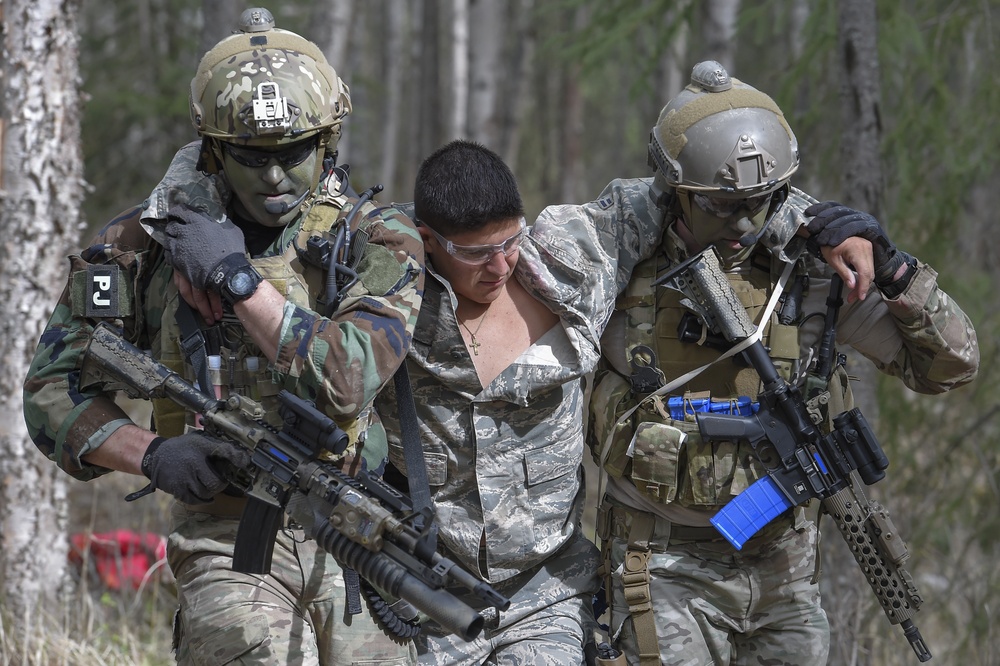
[(923, 336), (65, 421), (342, 362)]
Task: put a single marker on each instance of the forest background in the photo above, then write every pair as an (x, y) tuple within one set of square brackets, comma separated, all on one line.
[(893, 102)]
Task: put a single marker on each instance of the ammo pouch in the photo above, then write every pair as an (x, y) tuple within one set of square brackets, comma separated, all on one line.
[(665, 458)]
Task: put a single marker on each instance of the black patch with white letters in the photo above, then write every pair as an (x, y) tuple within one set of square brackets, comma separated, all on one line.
[(102, 292)]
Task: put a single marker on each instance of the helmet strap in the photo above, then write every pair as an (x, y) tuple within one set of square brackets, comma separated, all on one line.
[(209, 156)]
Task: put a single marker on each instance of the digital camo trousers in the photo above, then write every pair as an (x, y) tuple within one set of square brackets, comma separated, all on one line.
[(295, 615), (551, 617), (713, 605)]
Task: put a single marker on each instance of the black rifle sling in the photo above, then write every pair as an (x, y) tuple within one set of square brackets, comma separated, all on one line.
[(413, 453), (193, 345)]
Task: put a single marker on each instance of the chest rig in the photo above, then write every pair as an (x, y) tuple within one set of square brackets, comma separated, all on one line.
[(235, 363), (659, 447)]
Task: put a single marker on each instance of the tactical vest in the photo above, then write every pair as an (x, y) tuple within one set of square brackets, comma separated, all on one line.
[(664, 456), (239, 366)]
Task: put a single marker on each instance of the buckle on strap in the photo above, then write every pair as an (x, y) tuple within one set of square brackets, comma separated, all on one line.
[(635, 580)]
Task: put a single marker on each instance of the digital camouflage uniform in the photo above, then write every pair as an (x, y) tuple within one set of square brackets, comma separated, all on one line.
[(505, 460), (711, 603), (297, 613)]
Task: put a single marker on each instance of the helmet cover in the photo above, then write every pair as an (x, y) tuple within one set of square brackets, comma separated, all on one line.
[(266, 86)]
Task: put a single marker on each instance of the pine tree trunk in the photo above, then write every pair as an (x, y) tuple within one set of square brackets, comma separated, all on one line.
[(41, 188)]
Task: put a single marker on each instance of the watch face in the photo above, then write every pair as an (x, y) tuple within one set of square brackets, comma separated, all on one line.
[(241, 284)]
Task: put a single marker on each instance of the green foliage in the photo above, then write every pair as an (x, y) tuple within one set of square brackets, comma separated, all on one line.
[(137, 60), (940, 142)]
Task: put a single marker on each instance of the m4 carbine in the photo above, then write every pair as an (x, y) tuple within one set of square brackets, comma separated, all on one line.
[(808, 464), (364, 523)]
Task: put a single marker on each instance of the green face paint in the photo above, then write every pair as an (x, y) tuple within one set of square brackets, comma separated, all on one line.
[(269, 184), (709, 228)]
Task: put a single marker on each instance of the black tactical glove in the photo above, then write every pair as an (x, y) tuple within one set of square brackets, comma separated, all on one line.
[(190, 466), (834, 223), (195, 245)]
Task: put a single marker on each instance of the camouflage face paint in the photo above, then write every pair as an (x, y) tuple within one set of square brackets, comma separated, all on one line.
[(267, 183)]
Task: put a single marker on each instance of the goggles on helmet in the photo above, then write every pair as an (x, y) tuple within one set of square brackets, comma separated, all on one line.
[(477, 255), (723, 207), (293, 155)]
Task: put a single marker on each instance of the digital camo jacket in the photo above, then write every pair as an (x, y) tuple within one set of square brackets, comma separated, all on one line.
[(504, 460), (339, 362)]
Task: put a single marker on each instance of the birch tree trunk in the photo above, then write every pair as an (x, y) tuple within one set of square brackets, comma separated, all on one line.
[(459, 75), (332, 21), (393, 46), (486, 29), (41, 187), (847, 597)]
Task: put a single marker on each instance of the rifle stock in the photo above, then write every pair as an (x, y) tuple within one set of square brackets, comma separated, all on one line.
[(808, 464), (348, 517)]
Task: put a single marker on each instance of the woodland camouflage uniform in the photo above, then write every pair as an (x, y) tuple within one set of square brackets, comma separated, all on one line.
[(295, 614)]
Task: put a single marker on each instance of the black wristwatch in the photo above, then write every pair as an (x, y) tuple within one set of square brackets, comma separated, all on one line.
[(241, 284), (235, 279)]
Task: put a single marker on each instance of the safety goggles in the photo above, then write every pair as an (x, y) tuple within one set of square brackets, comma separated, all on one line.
[(477, 255), (293, 155), (721, 207)]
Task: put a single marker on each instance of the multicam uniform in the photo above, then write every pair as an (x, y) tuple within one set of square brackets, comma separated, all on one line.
[(339, 362), (665, 483), (505, 460)]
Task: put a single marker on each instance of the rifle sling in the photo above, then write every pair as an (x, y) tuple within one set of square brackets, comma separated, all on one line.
[(193, 344), (413, 453)]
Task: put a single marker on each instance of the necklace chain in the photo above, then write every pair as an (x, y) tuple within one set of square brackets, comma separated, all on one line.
[(475, 344)]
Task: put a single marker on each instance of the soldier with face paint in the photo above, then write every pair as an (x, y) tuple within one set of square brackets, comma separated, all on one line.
[(723, 155), (226, 282)]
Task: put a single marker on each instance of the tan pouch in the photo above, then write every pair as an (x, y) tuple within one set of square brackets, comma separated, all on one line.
[(656, 460)]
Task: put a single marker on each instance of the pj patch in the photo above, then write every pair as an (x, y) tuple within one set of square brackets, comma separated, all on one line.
[(101, 292)]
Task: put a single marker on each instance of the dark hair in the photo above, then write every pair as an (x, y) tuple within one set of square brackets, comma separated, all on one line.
[(464, 186)]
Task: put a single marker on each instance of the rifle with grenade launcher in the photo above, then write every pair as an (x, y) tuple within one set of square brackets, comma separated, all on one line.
[(364, 523), (802, 463)]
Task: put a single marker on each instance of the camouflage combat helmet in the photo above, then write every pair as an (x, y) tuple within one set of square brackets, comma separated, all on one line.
[(264, 86), (722, 137)]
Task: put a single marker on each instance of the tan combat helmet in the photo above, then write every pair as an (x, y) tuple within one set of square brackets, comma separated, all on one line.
[(726, 146), (722, 137)]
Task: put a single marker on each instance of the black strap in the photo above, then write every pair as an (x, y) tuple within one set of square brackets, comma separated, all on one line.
[(353, 583), (193, 344), (413, 452)]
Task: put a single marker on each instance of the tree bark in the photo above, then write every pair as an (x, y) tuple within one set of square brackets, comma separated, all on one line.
[(845, 594), (394, 46), (719, 32), (459, 76), (332, 23), (40, 193), (521, 62), (486, 28), (219, 18)]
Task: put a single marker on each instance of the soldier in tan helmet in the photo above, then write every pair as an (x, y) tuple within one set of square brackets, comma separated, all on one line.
[(723, 156), (216, 281)]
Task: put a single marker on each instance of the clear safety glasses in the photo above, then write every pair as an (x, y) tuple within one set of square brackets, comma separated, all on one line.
[(477, 255)]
